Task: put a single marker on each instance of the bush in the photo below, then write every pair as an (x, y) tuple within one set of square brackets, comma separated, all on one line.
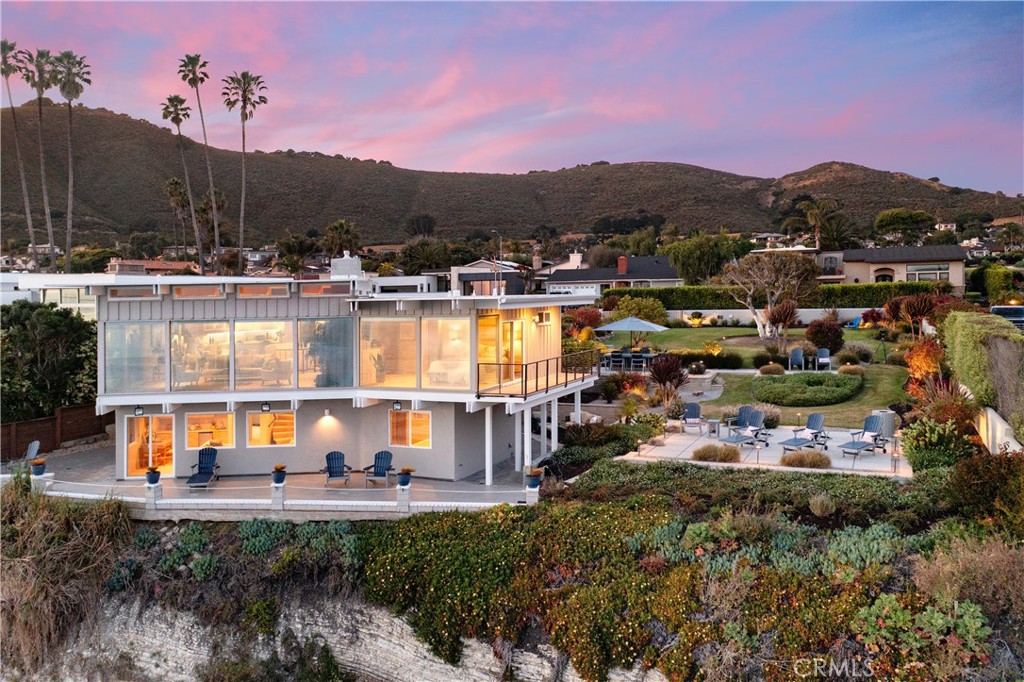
[(726, 360), (642, 307), (863, 351), (807, 389), (772, 414), (852, 370), (655, 421), (761, 359), (845, 357), (683, 298), (825, 335), (999, 284), (772, 369), (928, 444), (925, 359), (580, 363), (717, 453), (967, 339), (868, 295), (676, 409), (944, 400), (822, 506), (608, 389), (807, 459), (872, 317), (896, 357), (988, 485)]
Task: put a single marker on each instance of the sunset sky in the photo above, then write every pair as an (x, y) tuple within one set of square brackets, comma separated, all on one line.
[(932, 89)]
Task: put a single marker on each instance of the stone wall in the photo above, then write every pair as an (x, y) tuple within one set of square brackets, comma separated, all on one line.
[(127, 642)]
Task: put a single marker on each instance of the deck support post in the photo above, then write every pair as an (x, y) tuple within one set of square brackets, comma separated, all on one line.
[(577, 399), (543, 431), (489, 445), (517, 438), (153, 494), (527, 439), (554, 424)]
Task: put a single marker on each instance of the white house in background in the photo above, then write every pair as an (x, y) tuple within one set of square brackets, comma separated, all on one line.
[(273, 370), (630, 271), (945, 227)]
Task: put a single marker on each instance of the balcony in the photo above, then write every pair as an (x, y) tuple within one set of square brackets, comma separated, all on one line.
[(512, 380), (831, 272)]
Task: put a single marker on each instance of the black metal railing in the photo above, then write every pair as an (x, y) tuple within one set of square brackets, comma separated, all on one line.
[(518, 380)]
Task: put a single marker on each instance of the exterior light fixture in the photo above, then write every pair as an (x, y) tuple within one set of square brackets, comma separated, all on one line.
[(396, 406), (265, 407), (139, 411), (327, 412)]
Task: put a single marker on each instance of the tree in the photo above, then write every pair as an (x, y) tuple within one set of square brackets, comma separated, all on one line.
[(668, 372), (49, 359), (783, 316), (144, 245), (340, 237), (192, 70), (38, 73), (1012, 237), (420, 225), (650, 309), (293, 250), (643, 242), (176, 111), (700, 257), (11, 63), (602, 256), (940, 237), (836, 232), (771, 278), (903, 226), (423, 254), (70, 75), (243, 90), (814, 214), (174, 190)]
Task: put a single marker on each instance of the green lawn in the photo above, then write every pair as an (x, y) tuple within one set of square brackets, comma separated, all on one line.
[(883, 385)]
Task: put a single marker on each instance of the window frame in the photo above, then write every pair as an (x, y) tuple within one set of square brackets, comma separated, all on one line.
[(211, 287), (240, 290), (154, 294), (305, 286), (409, 442)]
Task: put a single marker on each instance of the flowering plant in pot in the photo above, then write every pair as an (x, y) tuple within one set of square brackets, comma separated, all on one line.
[(405, 476), (152, 475), (278, 474), (38, 466), (533, 477)]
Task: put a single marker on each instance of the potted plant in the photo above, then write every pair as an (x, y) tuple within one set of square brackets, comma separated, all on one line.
[(405, 476), (38, 466), (152, 475), (533, 477), (380, 366), (278, 474)]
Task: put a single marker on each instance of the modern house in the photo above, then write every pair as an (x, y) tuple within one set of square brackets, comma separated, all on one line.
[(272, 370), (630, 271)]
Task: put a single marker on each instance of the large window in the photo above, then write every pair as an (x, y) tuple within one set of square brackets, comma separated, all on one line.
[(135, 357), (928, 272), (444, 344), (150, 443), (270, 429), (387, 353), (409, 429), (264, 356), (325, 353), (210, 430), (200, 356), (487, 349)]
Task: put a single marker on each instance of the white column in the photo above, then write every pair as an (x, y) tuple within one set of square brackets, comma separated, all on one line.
[(554, 424), (528, 439), (543, 430), (488, 446), (517, 438), (576, 407)]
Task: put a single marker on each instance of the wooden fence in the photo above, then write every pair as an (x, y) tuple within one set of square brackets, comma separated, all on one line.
[(68, 424)]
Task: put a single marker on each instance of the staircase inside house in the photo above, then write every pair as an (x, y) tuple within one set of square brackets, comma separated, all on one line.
[(282, 429)]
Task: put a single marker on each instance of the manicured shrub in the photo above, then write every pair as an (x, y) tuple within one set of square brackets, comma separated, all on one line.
[(868, 295), (684, 298), (726, 360), (845, 357), (807, 389), (928, 444), (999, 284), (825, 335), (863, 351), (967, 339), (852, 370), (761, 359), (896, 357), (807, 459), (772, 369), (772, 414), (716, 453)]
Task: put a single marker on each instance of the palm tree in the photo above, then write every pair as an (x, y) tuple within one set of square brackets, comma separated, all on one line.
[(174, 190), (192, 70), (340, 237), (70, 75), (814, 215), (1012, 236), (242, 91), (38, 73), (423, 254), (204, 214), (12, 62), (836, 232), (175, 110)]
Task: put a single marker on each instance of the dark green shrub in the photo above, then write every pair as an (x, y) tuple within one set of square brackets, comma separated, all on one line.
[(966, 336), (928, 444), (868, 295), (985, 485), (609, 390), (806, 389), (896, 357), (205, 567), (825, 335), (684, 298), (845, 357), (726, 360), (761, 359)]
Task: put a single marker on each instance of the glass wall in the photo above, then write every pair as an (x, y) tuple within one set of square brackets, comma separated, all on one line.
[(325, 353), (200, 356), (409, 429), (150, 443), (213, 430), (444, 344), (264, 355), (270, 429), (135, 356), (387, 353)]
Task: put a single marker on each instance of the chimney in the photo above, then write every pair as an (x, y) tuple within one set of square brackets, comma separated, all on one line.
[(623, 265), (576, 260)]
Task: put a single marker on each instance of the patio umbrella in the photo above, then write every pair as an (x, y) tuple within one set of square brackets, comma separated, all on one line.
[(634, 325)]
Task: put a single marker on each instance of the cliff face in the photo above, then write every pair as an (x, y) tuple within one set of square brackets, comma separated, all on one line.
[(128, 641)]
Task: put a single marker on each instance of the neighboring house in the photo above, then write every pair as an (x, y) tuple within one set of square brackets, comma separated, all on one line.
[(769, 239), (945, 227), (543, 273), (272, 370), (630, 271), (125, 266), (906, 264)]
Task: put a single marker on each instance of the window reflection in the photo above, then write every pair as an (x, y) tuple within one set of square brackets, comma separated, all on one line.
[(325, 353), (135, 357)]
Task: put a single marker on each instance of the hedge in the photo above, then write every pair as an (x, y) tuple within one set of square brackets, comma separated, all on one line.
[(966, 335), (869, 295), (726, 360), (998, 283), (684, 298), (806, 389)]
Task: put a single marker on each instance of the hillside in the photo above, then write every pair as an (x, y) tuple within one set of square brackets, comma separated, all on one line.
[(123, 163)]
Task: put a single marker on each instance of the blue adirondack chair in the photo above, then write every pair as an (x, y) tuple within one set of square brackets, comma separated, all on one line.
[(752, 434), (741, 420), (205, 470), (813, 434), (796, 358), (336, 469), (824, 358), (865, 440), (380, 470), (692, 416), (854, 323)]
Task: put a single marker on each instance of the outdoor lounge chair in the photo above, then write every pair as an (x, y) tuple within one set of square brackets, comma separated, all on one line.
[(752, 434), (824, 358), (811, 435), (692, 416), (796, 358), (854, 323), (865, 440), (380, 470), (740, 421), (205, 470), (336, 469)]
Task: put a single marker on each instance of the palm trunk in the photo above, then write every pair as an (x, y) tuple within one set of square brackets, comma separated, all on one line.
[(213, 193), (71, 196), (191, 207), (24, 183), (46, 196), (241, 213)]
